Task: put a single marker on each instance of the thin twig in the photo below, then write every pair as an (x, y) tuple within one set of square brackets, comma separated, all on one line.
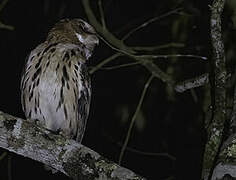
[(194, 95), (146, 62), (119, 46), (3, 4), (150, 21), (151, 56), (154, 48), (102, 14), (103, 62), (156, 71), (153, 68), (172, 56), (110, 38), (151, 153), (120, 66), (3, 155), (170, 178), (137, 151), (4, 26), (134, 117), (116, 48), (9, 167)]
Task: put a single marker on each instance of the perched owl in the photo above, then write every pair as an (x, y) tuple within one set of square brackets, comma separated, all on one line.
[(55, 84)]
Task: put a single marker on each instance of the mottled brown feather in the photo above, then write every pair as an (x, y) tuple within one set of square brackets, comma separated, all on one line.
[(55, 85)]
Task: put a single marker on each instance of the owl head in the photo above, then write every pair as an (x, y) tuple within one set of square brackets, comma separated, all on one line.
[(75, 31)]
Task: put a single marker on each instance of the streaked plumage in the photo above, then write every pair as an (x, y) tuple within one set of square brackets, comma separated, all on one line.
[(55, 85)]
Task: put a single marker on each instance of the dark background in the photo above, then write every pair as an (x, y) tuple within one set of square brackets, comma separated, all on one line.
[(169, 122)]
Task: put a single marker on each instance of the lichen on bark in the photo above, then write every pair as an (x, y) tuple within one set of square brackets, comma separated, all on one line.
[(215, 130)]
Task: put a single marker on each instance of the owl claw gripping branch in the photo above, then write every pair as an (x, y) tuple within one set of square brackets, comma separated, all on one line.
[(55, 85)]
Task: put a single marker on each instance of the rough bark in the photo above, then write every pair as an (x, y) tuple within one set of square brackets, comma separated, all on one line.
[(226, 165), (26, 138), (215, 130)]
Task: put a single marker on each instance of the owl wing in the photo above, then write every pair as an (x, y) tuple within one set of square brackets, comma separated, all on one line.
[(25, 77), (83, 101), (64, 89)]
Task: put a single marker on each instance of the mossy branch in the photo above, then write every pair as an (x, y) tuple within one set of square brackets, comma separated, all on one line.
[(215, 130), (25, 138)]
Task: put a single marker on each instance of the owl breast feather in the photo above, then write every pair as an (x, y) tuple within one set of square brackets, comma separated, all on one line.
[(56, 88)]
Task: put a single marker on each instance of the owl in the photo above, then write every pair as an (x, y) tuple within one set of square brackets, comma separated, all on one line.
[(55, 84)]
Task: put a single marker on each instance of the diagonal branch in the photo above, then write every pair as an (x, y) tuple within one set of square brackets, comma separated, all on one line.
[(192, 83), (157, 72), (119, 45), (67, 156), (5, 26), (102, 14), (150, 21), (2, 25), (3, 4), (172, 56), (120, 66), (134, 117), (103, 62), (154, 48), (109, 37), (122, 49)]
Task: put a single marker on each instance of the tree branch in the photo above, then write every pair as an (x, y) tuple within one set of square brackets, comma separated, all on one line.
[(109, 37), (150, 21), (227, 157), (123, 49), (133, 118), (154, 48), (102, 14), (119, 45), (25, 138), (5, 26), (103, 62), (192, 83), (2, 25), (215, 130), (3, 4)]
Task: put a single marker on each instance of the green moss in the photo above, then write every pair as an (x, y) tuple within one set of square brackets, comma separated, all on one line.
[(103, 166), (9, 124), (228, 154), (82, 169), (16, 143), (211, 150)]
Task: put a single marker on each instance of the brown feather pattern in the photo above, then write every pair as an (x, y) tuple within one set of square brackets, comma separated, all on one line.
[(55, 84)]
